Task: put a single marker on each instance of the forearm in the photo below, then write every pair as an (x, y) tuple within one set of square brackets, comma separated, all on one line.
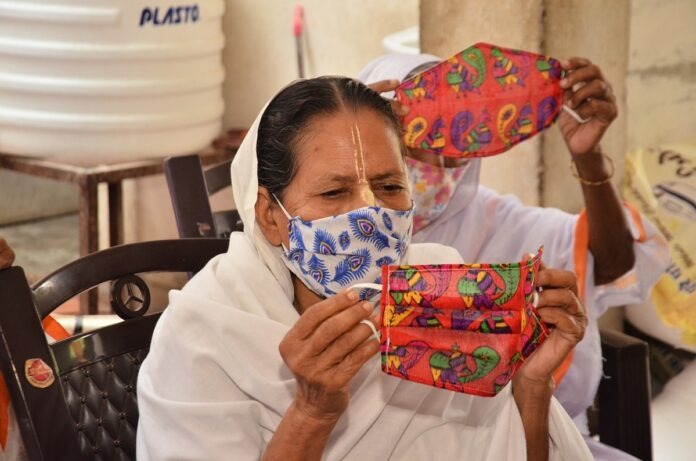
[(299, 437), (533, 402), (610, 238)]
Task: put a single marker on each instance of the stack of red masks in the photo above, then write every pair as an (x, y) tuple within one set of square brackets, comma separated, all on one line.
[(481, 101), (465, 328)]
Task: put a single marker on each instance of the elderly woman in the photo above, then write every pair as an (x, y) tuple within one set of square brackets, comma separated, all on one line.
[(265, 355), (617, 254)]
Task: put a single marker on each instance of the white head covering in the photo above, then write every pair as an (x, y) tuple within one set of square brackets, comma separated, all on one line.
[(245, 187), (398, 66)]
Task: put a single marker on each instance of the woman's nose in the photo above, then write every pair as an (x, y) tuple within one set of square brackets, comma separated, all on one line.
[(365, 195)]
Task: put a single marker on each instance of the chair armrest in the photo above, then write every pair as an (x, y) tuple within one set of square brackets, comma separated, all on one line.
[(624, 394)]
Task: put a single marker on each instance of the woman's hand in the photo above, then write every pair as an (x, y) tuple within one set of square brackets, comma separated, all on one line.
[(560, 308), (590, 95), (324, 350), (384, 86), (7, 256)]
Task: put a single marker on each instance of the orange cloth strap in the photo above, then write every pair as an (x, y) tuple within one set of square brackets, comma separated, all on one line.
[(56, 331)]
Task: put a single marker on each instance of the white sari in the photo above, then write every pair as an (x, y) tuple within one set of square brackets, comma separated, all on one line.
[(214, 386)]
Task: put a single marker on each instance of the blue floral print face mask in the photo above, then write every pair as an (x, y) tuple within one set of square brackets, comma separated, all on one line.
[(333, 253)]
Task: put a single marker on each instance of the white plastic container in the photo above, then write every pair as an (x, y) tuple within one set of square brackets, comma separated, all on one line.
[(101, 81), (406, 41)]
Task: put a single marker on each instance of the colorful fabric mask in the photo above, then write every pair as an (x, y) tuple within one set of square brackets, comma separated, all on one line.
[(481, 101), (332, 253), (432, 188), (465, 328)]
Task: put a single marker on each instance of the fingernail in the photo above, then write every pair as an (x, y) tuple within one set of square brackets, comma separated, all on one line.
[(404, 110), (352, 295), (394, 81), (564, 83), (367, 306)]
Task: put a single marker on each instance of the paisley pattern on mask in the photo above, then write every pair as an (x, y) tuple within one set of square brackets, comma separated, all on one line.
[(332, 253), (432, 188), (465, 328), (481, 101)]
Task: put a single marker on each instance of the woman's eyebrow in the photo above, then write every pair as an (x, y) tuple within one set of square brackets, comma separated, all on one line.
[(387, 175), (337, 178)]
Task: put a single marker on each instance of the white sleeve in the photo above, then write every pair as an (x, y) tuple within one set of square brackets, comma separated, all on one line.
[(651, 260)]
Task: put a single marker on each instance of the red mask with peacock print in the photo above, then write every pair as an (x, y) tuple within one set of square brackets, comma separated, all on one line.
[(465, 328), (481, 101)]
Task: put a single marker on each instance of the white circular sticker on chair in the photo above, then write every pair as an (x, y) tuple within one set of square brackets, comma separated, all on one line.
[(38, 373)]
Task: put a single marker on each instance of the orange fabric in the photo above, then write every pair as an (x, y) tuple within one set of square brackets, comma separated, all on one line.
[(56, 331), (582, 245), (4, 412), (580, 250)]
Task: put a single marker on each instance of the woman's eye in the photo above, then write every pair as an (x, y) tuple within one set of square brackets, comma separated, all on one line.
[(335, 193), (392, 188)]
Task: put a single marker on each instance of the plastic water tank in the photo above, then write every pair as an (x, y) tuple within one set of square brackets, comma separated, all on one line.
[(406, 41), (102, 81)]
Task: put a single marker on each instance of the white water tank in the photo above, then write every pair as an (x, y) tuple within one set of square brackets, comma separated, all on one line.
[(101, 81)]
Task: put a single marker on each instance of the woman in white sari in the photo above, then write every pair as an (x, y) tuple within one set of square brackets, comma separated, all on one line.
[(256, 358)]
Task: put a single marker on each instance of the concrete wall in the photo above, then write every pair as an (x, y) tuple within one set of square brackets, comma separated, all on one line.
[(597, 30), (24, 198), (448, 27), (661, 81), (341, 37)]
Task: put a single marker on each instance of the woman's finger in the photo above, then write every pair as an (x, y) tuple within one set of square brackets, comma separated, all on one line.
[(596, 89), (560, 297), (384, 85), (557, 278), (336, 326), (601, 110), (570, 326), (345, 344), (574, 63), (321, 311), (581, 75), (356, 359)]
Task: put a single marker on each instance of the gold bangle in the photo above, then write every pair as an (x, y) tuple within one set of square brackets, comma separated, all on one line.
[(587, 182)]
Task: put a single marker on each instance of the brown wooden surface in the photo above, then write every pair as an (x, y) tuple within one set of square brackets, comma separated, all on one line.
[(88, 179)]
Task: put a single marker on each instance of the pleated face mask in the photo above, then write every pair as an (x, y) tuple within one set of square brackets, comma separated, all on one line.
[(463, 327), (481, 101)]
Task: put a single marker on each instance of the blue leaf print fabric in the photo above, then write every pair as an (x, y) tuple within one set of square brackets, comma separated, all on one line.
[(333, 253)]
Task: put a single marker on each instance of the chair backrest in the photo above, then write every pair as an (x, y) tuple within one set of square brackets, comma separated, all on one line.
[(190, 188), (76, 399)]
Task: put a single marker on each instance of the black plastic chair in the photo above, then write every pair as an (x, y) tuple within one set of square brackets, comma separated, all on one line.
[(76, 399), (623, 398), (190, 188)]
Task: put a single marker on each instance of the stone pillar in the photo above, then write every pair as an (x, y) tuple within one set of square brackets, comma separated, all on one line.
[(661, 84), (447, 27), (599, 31)]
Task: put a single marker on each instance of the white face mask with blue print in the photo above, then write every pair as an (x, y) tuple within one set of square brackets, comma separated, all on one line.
[(333, 253)]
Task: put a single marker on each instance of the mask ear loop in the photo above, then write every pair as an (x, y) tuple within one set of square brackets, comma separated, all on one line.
[(370, 325), (575, 115), (287, 215)]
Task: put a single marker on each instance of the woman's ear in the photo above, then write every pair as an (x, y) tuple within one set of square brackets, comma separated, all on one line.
[(266, 214)]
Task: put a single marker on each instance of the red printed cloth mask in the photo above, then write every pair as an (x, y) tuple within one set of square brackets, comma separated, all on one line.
[(481, 101), (462, 327)]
